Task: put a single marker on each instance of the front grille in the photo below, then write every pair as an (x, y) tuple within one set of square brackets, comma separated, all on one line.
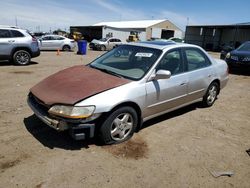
[(246, 59), (38, 103)]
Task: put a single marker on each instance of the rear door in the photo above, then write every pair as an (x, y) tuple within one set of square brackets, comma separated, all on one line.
[(200, 72), (58, 42), (6, 43), (165, 94), (47, 43)]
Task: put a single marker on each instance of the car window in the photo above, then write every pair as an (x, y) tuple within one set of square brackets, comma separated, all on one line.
[(47, 38), (53, 37), (16, 33), (196, 59), (118, 40), (4, 33), (171, 61), (59, 38), (112, 40)]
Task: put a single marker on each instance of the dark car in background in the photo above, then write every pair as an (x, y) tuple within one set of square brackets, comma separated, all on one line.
[(225, 49), (240, 57)]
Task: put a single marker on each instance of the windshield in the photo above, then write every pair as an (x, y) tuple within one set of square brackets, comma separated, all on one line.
[(244, 47), (131, 62)]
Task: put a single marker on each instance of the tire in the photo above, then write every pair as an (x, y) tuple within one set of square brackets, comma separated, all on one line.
[(21, 57), (211, 94), (119, 126), (66, 48), (103, 48)]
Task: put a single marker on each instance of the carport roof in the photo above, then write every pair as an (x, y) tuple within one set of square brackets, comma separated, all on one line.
[(130, 24)]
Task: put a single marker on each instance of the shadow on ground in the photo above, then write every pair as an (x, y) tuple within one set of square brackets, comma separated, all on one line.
[(171, 115), (51, 138), (240, 71), (9, 63)]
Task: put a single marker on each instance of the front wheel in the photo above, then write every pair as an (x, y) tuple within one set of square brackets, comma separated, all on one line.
[(21, 57), (211, 94), (103, 48), (119, 126)]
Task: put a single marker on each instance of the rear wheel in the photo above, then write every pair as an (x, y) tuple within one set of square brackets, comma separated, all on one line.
[(211, 95), (21, 57), (66, 48), (119, 126)]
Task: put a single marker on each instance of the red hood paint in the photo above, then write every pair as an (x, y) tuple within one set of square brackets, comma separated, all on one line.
[(74, 84)]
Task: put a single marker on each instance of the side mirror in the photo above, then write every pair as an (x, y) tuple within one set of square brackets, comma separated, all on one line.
[(161, 74)]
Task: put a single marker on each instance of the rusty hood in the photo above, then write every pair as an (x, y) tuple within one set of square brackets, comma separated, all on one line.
[(74, 84)]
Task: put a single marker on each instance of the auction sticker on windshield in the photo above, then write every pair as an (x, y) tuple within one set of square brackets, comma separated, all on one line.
[(140, 54)]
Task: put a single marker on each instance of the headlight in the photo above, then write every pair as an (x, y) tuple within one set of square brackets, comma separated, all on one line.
[(228, 55), (74, 112)]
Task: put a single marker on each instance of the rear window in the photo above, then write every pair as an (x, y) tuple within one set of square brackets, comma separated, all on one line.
[(4, 33), (16, 33)]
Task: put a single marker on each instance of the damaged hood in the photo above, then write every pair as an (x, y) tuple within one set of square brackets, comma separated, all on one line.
[(74, 84)]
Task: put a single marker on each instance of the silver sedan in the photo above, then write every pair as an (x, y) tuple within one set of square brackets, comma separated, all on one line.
[(112, 96), (56, 42)]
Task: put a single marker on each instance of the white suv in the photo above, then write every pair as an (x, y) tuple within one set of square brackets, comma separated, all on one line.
[(17, 45)]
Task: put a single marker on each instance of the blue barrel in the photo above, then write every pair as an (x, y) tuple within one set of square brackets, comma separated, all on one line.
[(82, 47)]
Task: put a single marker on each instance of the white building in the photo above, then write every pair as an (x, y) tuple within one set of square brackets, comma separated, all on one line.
[(147, 29)]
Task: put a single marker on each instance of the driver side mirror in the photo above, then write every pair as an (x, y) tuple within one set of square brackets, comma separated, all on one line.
[(161, 74)]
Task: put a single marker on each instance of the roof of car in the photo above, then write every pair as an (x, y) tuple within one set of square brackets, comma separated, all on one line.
[(11, 27), (160, 44)]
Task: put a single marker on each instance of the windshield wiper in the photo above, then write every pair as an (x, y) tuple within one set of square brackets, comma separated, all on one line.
[(106, 71)]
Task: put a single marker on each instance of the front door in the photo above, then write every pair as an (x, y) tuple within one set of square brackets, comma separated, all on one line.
[(165, 94), (6, 43)]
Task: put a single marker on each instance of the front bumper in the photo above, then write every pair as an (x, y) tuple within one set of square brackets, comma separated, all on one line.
[(77, 129), (237, 63), (35, 54)]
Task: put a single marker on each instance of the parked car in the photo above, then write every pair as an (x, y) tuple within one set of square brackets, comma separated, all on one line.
[(56, 42), (240, 57), (175, 39), (225, 49), (112, 96), (17, 45), (104, 44)]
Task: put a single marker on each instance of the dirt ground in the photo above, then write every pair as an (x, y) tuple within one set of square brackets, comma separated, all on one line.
[(179, 149)]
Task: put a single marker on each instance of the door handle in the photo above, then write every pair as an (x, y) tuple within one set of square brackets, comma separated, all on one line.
[(11, 40), (183, 83)]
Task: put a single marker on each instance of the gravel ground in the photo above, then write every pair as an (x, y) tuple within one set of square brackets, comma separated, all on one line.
[(179, 149)]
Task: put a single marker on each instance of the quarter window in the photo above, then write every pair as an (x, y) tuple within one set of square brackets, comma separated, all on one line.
[(4, 33), (172, 62), (196, 59), (16, 33)]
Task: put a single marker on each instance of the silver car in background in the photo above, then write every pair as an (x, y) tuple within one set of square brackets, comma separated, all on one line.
[(56, 42), (17, 45), (112, 96), (104, 44)]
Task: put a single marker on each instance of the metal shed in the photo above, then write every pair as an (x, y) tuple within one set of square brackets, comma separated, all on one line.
[(213, 37)]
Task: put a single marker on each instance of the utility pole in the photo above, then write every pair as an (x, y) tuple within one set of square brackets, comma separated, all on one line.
[(16, 20)]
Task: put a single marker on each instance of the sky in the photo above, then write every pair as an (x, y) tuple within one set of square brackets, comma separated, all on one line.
[(46, 15)]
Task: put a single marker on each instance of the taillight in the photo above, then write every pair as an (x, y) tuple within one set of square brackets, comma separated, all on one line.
[(34, 39)]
